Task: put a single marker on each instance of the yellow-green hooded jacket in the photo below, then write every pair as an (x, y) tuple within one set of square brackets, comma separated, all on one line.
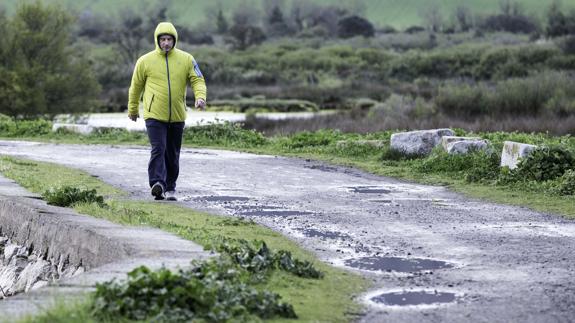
[(163, 80)]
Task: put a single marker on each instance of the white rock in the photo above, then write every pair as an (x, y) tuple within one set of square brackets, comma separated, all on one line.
[(513, 152), (418, 142)]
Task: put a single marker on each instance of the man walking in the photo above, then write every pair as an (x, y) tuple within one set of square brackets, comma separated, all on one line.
[(162, 76)]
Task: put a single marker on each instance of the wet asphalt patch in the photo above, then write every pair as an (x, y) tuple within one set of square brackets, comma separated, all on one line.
[(222, 198), (398, 264), (413, 298), (274, 213), (313, 233), (369, 190)]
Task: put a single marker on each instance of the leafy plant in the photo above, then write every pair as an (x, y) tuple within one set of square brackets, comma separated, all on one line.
[(67, 196), (544, 163), (258, 259), (212, 291), (226, 134), (567, 183)]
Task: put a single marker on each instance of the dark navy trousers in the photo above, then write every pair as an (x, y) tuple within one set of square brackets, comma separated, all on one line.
[(166, 141)]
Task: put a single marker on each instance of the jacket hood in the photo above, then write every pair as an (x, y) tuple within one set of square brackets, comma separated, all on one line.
[(165, 28)]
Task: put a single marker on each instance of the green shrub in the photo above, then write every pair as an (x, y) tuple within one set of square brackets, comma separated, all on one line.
[(544, 163), (24, 128), (258, 259), (476, 166), (68, 196), (567, 183), (225, 134), (306, 139), (211, 291)]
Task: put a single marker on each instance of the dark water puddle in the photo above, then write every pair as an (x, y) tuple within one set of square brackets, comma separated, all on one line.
[(313, 233), (369, 190), (274, 213), (413, 298), (222, 198), (323, 168), (404, 265)]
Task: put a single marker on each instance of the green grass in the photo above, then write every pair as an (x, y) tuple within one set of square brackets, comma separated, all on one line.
[(324, 300), (396, 13)]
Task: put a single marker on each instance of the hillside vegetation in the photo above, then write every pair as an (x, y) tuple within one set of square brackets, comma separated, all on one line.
[(399, 14)]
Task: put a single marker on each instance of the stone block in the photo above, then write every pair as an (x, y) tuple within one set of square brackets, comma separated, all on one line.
[(462, 145), (418, 142), (513, 152)]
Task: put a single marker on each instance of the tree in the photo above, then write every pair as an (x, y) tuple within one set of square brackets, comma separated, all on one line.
[(355, 26), (433, 18), (556, 21), (276, 24), (464, 18), (221, 23), (43, 76)]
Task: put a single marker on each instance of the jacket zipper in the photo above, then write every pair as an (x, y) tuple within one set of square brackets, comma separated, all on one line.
[(151, 101), (169, 91)]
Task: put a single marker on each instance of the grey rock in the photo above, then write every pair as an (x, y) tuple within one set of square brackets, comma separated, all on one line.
[(418, 142)]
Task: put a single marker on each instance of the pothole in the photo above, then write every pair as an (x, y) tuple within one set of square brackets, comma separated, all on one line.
[(399, 264), (409, 298), (369, 190), (222, 198), (313, 233), (272, 213)]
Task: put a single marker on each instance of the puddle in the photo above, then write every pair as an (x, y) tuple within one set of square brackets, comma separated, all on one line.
[(413, 298), (404, 265), (313, 233), (322, 168), (369, 190), (274, 213), (222, 198)]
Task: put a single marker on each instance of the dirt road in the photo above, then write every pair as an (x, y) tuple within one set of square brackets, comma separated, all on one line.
[(459, 259)]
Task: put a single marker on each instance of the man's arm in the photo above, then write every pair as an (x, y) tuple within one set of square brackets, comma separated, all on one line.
[(198, 85), (135, 92)]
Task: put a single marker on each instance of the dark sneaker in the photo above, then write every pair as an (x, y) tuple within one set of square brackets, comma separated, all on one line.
[(171, 196), (158, 191)]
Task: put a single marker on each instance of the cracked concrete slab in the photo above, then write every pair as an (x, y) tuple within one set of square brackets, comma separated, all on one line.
[(105, 250)]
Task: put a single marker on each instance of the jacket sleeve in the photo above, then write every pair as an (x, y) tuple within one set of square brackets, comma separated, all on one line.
[(136, 88), (197, 81)]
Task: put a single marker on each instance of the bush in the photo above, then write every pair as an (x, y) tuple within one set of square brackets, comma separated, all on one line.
[(476, 166), (24, 128), (543, 164), (567, 183), (211, 291), (226, 134), (67, 196), (308, 139), (355, 26)]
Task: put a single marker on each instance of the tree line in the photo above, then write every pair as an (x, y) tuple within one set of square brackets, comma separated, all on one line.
[(54, 62)]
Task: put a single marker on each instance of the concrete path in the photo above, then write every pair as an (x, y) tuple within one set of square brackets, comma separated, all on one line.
[(104, 249), (457, 258)]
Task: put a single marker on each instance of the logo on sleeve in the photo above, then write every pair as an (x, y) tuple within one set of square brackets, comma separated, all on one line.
[(197, 69)]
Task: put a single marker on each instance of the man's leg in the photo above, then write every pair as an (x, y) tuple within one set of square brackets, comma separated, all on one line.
[(157, 133), (173, 146)]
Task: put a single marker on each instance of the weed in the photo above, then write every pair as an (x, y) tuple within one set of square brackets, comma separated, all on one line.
[(68, 196), (213, 290)]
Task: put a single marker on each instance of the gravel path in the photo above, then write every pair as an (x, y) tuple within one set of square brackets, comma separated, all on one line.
[(459, 259)]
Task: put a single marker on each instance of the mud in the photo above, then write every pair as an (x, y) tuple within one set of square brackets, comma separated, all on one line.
[(515, 262)]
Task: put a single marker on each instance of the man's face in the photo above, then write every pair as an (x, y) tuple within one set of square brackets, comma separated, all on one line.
[(166, 42)]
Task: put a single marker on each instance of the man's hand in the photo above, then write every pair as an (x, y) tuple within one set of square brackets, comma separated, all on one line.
[(133, 117), (200, 104)]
